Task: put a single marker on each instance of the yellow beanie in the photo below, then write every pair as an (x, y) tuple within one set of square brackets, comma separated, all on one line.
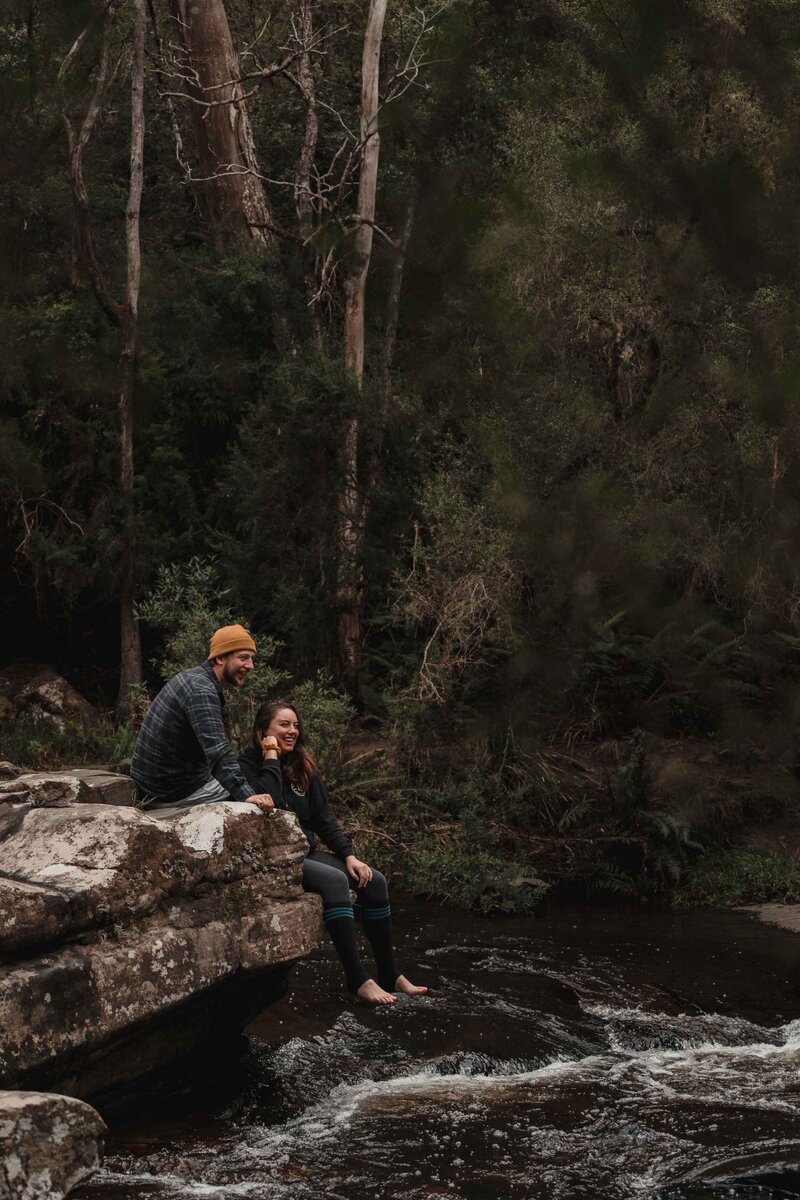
[(230, 638)]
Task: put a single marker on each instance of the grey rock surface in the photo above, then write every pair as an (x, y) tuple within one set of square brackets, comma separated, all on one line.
[(785, 915), (110, 918), (48, 1144), (79, 785), (37, 690), (64, 870)]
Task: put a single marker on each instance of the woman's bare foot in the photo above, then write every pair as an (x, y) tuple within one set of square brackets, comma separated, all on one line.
[(371, 993), (408, 989)]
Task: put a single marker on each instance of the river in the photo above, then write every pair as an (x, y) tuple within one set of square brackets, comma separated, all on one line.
[(586, 1054)]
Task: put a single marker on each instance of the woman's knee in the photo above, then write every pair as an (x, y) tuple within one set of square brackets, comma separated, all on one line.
[(329, 883), (377, 889)]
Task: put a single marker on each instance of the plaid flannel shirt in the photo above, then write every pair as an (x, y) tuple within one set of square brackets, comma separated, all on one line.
[(182, 741)]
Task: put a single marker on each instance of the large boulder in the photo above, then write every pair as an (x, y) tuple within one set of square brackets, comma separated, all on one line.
[(64, 870), (36, 690), (48, 1144), (112, 920), (79, 996), (237, 840)]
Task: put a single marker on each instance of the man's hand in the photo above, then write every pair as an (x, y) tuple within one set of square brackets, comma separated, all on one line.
[(358, 870), (264, 802)]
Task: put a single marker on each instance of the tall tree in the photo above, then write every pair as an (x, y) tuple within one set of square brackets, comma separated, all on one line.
[(352, 513), (208, 66), (124, 315), (130, 646)]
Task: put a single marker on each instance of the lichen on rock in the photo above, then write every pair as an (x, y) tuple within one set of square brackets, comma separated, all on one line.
[(48, 1144)]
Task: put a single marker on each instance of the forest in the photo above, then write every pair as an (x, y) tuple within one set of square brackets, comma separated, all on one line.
[(451, 346)]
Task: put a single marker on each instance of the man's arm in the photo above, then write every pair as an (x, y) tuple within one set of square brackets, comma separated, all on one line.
[(205, 717)]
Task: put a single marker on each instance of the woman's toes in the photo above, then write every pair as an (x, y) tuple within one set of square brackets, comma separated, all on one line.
[(371, 993), (407, 988)]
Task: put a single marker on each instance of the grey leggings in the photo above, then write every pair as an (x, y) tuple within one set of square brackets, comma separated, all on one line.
[(328, 877)]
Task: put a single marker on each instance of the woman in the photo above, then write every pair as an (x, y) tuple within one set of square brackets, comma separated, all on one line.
[(279, 764)]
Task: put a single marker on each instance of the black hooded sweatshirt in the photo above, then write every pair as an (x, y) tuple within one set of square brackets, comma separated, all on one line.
[(311, 807)]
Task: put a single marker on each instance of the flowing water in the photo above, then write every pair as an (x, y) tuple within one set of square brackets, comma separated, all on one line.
[(587, 1053)]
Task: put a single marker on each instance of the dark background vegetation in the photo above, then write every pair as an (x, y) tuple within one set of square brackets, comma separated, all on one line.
[(581, 653)]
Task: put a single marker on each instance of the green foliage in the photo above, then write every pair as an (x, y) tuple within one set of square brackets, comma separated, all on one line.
[(187, 604), (662, 845), (464, 874), (461, 861), (42, 745), (741, 876), (328, 720), (459, 591), (583, 519)]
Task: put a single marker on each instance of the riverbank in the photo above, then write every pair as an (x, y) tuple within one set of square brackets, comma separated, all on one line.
[(786, 916)]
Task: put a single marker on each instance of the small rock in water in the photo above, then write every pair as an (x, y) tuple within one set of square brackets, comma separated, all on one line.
[(48, 1144)]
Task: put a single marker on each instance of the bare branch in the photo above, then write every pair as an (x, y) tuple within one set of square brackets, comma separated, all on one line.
[(77, 142), (177, 137)]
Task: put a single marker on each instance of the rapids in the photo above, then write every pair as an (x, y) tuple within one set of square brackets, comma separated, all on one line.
[(588, 1053)]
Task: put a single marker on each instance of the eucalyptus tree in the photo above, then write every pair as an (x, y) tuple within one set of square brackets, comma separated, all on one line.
[(124, 315)]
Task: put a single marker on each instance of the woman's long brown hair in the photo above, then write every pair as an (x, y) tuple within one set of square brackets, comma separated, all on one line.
[(298, 765)]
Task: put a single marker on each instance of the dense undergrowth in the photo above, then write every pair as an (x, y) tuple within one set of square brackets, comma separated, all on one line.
[(742, 875), (598, 806), (494, 835)]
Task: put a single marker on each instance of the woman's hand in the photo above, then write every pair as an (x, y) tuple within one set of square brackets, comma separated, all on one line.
[(264, 802), (358, 870), (269, 747)]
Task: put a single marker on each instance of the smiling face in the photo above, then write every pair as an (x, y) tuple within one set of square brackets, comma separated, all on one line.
[(233, 669), (285, 728)]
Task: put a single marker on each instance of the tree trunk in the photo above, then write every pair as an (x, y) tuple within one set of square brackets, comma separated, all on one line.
[(352, 516), (367, 191), (302, 186), (234, 195), (305, 78), (130, 648), (125, 316), (393, 313)]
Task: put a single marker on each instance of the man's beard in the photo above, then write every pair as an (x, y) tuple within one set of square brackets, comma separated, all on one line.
[(229, 677)]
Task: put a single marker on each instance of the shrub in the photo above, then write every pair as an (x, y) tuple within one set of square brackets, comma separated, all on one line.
[(187, 604), (457, 871), (38, 745), (741, 876)]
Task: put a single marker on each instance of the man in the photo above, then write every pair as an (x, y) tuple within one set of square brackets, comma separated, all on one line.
[(182, 756)]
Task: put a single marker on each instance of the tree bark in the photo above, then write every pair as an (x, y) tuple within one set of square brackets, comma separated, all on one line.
[(235, 200), (307, 83), (352, 516), (130, 646), (393, 312), (124, 316), (302, 187), (367, 190)]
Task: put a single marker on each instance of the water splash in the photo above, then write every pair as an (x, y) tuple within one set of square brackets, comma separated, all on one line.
[(517, 1078)]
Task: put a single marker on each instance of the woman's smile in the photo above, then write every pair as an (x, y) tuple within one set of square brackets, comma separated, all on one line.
[(285, 728)]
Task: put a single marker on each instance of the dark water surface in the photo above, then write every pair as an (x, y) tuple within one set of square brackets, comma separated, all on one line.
[(603, 1053)]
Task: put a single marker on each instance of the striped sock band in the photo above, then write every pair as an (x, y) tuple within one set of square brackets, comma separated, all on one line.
[(335, 912), (376, 914)]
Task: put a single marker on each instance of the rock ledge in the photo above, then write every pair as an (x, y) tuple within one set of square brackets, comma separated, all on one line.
[(125, 938)]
